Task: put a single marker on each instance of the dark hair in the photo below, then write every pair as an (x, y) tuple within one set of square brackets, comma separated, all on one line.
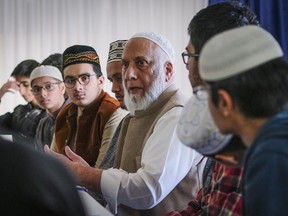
[(97, 70), (54, 60), (260, 92), (25, 68), (218, 18)]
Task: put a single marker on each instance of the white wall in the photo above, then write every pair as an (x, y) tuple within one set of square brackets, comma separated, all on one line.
[(37, 28)]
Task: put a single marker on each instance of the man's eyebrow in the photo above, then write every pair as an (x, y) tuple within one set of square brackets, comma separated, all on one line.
[(71, 77)]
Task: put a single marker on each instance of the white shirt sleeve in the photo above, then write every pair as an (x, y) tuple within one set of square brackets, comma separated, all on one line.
[(165, 162)]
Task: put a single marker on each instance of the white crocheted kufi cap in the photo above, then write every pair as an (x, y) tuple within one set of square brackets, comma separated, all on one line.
[(46, 71), (197, 129), (235, 51), (160, 40)]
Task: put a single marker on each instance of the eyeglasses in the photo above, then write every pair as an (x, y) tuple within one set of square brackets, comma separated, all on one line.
[(83, 79), (36, 90), (186, 55)]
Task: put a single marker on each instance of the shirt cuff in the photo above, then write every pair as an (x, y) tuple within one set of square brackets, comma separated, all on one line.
[(110, 183)]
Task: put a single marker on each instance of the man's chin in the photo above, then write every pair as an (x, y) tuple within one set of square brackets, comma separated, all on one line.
[(28, 100), (135, 98), (80, 103)]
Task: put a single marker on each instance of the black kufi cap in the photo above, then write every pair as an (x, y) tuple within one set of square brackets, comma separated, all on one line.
[(80, 54)]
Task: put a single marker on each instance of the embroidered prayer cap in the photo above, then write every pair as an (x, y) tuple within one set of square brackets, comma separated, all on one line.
[(116, 50), (160, 40), (80, 54), (197, 129), (235, 51), (46, 71)]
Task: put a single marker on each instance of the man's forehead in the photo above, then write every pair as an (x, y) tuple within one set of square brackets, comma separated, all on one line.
[(44, 79), (22, 79), (78, 69)]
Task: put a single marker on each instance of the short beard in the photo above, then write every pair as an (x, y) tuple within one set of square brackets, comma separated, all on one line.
[(135, 102)]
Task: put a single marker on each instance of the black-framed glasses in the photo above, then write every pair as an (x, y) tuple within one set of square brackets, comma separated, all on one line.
[(48, 87), (83, 79), (186, 55)]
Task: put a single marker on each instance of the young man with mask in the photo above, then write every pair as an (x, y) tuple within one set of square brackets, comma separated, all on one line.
[(222, 187)]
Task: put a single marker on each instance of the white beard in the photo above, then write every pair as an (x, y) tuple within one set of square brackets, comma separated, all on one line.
[(135, 102)]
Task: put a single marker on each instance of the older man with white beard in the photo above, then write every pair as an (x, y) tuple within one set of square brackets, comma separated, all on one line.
[(153, 172)]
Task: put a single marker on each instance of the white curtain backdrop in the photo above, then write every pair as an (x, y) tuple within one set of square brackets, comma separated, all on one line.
[(34, 29)]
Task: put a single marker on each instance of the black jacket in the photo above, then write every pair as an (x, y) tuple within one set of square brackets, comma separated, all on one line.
[(34, 183), (22, 123)]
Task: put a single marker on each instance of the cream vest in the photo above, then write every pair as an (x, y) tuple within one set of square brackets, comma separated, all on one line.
[(133, 136)]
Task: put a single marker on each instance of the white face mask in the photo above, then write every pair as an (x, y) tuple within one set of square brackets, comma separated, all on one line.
[(197, 129)]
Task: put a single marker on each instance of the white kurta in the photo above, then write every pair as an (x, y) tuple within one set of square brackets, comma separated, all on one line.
[(165, 162)]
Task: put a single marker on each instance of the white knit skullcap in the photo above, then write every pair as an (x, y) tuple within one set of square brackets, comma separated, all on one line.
[(235, 51), (46, 70), (160, 40), (197, 129)]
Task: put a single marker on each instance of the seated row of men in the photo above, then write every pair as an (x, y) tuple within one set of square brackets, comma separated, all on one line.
[(135, 162)]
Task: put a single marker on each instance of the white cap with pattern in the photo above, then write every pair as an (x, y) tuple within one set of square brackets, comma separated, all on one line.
[(197, 129)]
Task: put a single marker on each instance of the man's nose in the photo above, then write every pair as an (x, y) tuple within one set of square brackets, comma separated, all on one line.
[(22, 90), (130, 73), (116, 86), (43, 92), (78, 85)]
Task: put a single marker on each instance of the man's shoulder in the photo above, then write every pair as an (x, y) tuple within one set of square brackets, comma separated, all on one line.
[(109, 104), (45, 120), (28, 113), (67, 109), (179, 98), (175, 99), (272, 137), (173, 95), (111, 100), (22, 108)]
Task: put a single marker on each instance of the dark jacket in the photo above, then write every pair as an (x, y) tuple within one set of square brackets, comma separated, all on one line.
[(45, 129), (22, 123), (266, 169), (34, 183), (90, 126)]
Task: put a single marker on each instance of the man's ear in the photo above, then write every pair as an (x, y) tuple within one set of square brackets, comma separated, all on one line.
[(168, 71), (62, 88), (225, 103), (101, 80)]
